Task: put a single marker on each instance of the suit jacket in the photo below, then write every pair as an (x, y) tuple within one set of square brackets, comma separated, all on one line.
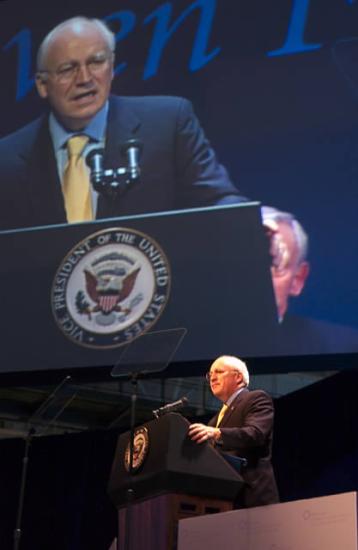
[(306, 336), (179, 168), (246, 431)]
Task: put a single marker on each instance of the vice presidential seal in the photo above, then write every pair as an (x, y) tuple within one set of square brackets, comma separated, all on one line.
[(140, 449), (110, 288)]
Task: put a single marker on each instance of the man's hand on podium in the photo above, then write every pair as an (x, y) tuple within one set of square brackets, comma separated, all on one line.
[(201, 433)]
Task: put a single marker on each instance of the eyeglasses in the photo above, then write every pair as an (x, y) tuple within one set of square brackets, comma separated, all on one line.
[(95, 65), (218, 372)]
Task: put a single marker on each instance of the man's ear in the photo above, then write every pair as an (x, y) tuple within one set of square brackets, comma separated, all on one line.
[(240, 378), (41, 85), (299, 279)]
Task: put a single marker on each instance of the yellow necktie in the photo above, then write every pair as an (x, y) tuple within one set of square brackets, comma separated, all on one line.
[(223, 410), (76, 183)]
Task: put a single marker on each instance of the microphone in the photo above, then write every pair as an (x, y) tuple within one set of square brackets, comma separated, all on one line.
[(170, 407), (94, 160), (132, 149)]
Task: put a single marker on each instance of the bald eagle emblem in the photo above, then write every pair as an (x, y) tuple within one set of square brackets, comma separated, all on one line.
[(109, 282)]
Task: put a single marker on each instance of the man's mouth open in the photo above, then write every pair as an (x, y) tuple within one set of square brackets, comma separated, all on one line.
[(85, 97)]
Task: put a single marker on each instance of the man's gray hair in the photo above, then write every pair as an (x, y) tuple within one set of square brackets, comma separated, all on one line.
[(74, 22), (237, 364), (301, 238)]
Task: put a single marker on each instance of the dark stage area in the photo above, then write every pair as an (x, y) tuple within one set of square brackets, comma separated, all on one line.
[(66, 506)]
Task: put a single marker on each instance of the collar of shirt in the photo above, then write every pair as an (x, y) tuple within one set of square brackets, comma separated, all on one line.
[(233, 397), (95, 129)]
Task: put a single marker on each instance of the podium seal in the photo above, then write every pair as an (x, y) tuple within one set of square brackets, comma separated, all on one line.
[(140, 449), (110, 288)]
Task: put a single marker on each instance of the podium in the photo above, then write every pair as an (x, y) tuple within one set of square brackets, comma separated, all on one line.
[(172, 478), (214, 259)]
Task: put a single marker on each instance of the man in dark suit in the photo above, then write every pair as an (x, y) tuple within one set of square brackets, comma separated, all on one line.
[(243, 428), (74, 75)]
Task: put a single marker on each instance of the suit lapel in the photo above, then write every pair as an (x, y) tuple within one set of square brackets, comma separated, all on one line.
[(45, 195), (226, 420), (122, 124)]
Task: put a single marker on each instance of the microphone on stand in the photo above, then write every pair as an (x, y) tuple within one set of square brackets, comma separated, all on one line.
[(132, 149), (111, 182), (171, 407), (94, 160)]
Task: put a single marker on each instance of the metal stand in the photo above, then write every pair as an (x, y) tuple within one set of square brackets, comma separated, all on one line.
[(25, 461), (130, 491)]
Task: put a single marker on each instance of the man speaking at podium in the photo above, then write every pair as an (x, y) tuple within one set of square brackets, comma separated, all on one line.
[(44, 176), (243, 428)]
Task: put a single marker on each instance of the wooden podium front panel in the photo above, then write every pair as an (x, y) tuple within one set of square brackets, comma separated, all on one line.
[(154, 522)]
